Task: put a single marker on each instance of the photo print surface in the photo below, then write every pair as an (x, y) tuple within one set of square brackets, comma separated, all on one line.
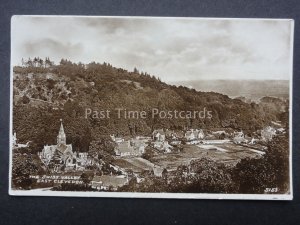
[(151, 107)]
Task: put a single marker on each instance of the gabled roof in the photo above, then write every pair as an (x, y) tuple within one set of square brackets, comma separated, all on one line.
[(158, 170), (158, 131), (62, 148), (195, 133), (169, 132), (188, 133), (179, 134)]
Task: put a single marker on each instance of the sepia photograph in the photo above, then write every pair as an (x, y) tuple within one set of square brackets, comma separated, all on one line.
[(151, 107)]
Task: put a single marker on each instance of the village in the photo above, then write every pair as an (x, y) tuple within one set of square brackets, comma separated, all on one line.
[(141, 156)]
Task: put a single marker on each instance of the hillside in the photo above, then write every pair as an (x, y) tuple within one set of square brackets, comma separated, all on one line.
[(44, 95)]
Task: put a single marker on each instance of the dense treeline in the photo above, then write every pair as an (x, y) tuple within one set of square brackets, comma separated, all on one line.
[(44, 94)]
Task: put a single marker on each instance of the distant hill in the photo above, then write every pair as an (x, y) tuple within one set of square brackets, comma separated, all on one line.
[(251, 89)]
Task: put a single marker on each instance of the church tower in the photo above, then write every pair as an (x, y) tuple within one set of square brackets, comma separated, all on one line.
[(61, 137)]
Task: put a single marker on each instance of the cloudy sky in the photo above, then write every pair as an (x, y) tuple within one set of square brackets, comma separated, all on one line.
[(173, 49)]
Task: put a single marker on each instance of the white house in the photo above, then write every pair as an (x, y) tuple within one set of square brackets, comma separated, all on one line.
[(194, 134), (159, 135)]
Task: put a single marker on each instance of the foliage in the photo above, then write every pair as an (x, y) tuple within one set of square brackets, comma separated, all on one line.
[(207, 177), (73, 87), (23, 166), (201, 176), (102, 149), (269, 171), (149, 153), (73, 187), (86, 177)]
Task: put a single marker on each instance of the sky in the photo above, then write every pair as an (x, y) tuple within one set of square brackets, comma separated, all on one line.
[(174, 49)]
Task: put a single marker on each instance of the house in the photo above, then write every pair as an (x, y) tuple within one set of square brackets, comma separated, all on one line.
[(175, 142), (134, 147), (144, 138), (125, 149), (268, 133), (170, 134), (157, 144), (239, 137), (107, 182), (179, 134), (240, 140), (162, 146), (83, 160), (117, 139), (220, 134), (83, 155), (210, 137), (253, 141), (238, 134), (158, 171), (159, 135), (193, 142), (139, 145), (18, 145), (166, 147), (194, 134)]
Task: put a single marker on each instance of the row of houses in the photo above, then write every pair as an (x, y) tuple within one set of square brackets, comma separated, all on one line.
[(164, 140), (162, 135), (112, 183), (132, 147)]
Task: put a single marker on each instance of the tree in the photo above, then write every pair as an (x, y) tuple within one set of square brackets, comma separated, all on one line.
[(149, 153), (50, 84), (253, 176), (208, 177), (103, 148), (25, 100), (29, 63), (25, 165), (48, 63), (87, 177), (40, 62), (35, 61), (135, 70), (269, 171)]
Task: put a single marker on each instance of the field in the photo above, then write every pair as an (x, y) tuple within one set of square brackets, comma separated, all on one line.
[(137, 164), (228, 153)]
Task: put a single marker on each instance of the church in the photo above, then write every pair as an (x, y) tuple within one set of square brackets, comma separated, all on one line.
[(59, 155)]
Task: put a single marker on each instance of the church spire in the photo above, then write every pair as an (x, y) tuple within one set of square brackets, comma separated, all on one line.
[(61, 130), (61, 138)]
